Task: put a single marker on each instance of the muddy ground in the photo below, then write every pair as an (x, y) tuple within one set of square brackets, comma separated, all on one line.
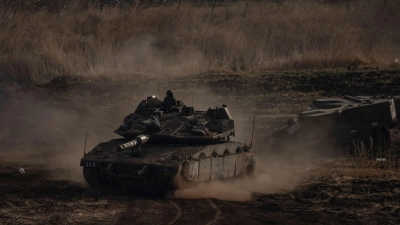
[(43, 128)]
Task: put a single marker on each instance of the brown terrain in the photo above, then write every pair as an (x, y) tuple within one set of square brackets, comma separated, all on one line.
[(42, 139), (104, 56)]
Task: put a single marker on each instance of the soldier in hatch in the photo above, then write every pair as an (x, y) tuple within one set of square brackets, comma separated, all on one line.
[(169, 102), (153, 102)]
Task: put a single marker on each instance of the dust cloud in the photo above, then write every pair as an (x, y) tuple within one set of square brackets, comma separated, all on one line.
[(39, 130), (276, 172), (273, 175)]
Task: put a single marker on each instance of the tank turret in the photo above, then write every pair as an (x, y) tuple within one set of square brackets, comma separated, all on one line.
[(182, 125)]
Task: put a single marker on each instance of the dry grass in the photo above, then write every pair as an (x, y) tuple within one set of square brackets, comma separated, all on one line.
[(37, 46)]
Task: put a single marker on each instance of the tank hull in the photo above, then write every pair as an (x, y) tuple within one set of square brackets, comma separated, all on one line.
[(158, 164), (353, 123)]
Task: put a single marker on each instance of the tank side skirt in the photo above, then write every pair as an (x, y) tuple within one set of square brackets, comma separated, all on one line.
[(211, 168)]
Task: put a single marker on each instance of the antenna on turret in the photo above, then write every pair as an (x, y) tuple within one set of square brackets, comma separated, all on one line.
[(192, 94), (252, 133), (185, 143), (84, 150)]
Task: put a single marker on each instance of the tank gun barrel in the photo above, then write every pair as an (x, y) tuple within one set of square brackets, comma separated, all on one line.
[(140, 139)]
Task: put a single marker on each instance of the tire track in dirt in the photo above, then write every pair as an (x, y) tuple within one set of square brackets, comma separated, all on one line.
[(139, 209), (218, 212), (130, 214), (178, 212)]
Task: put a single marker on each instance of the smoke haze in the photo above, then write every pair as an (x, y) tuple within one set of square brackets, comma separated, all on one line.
[(273, 175)]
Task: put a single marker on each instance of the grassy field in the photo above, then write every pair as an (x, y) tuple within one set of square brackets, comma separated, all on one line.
[(39, 42)]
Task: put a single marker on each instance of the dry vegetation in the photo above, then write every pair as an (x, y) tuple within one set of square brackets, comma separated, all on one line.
[(44, 126), (37, 45)]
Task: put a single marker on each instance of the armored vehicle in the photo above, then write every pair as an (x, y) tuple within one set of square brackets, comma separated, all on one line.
[(352, 123), (160, 145)]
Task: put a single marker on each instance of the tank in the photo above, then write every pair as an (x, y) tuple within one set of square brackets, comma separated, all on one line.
[(161, 145), (352, 123)]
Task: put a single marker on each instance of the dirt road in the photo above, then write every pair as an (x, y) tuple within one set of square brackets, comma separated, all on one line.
[(43, 131)]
